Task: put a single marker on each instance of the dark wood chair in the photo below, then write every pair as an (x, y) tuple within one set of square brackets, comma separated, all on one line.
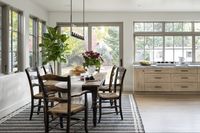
[(64, 107), (48, 69), (108, 87), (34, 84), (114, 95)]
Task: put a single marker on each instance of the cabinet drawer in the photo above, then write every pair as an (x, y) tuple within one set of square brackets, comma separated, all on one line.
[(184, 78), (184, 87), (185, 70), (157, 78), (157, 87), (156, 70)]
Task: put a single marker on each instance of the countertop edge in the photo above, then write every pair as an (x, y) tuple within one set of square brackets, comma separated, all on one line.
[(176, 66)]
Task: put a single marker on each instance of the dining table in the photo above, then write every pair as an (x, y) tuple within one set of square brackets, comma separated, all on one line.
[(78, 85)]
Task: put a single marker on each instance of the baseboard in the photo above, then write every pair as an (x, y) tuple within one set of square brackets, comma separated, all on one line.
[(5, 111)]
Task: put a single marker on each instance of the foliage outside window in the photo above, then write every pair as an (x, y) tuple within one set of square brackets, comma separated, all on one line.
[(41, 30), (166, 41), (14, 24), (77, 47), (105, 40)]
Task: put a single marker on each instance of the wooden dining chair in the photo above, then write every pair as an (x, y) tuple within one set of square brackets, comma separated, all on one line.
[(64, 107), (114, 95), (34, 84), (107, 88), (48, 69)]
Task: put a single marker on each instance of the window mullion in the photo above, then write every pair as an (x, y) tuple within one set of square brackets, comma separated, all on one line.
[(11, 43), (193, 44), (163, 31), (183, 46)]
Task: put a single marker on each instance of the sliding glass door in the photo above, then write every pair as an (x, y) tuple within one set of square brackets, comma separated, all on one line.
[(106, 41), (105, 38)]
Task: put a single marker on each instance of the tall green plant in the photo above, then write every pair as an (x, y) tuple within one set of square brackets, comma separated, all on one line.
[(54, 46)]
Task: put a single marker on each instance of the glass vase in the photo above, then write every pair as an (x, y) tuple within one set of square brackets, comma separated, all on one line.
[(91, 69)]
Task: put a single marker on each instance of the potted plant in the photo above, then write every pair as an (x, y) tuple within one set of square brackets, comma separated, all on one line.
[(54, 46)]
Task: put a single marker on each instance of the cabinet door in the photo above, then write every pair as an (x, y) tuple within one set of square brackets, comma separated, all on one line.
[(138, 79)]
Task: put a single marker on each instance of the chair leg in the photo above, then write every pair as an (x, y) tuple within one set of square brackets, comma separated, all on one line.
[(32, 106), (61, 122), (111, 102), (52, 104), (120, 108), (86, 120), (46, 122), (68, 124), (100, 108), (39, 106), (115, 102)]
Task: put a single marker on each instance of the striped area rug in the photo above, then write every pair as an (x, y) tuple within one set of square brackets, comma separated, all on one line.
[(18, 121)]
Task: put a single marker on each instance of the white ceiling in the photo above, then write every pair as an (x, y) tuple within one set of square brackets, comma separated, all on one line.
[(122, 5)]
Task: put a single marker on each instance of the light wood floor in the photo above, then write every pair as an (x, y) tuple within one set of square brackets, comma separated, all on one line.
[(170, 113)]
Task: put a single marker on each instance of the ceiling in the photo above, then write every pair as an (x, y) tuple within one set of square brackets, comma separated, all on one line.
[(122, 5)]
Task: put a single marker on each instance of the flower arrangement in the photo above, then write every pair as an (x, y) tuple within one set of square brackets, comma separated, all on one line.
[(92, 59)]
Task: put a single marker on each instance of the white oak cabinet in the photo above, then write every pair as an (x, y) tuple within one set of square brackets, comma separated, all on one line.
[(169, 78)]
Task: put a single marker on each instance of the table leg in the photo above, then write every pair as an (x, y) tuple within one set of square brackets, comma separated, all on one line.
[(94, 107)]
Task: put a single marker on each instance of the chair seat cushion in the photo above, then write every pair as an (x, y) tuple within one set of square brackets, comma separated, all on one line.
[(62, 108), (104, 88), (108, 95), (38, 95)]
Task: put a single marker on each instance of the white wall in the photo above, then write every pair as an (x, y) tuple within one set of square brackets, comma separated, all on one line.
[(127, 18), (14, 88), (14, 92)]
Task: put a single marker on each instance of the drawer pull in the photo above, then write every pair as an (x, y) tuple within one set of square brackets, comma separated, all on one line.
[(158, 70), (184, 77), (158, 77), (184, 86), (184, 70), (158, 86)]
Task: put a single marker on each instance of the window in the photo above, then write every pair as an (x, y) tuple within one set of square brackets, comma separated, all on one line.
[(167, 41), (178, 27), (78, 47), (105, 38), (41, 30), (0, 37), (14, 32), (36, 29), (148, 27), (31, 41), (149, 48)]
